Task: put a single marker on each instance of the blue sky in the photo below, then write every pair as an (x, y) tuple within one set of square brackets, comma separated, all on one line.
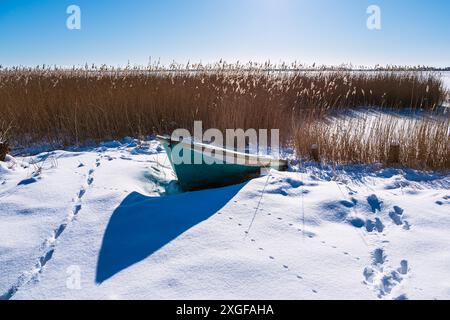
[(323, 31)]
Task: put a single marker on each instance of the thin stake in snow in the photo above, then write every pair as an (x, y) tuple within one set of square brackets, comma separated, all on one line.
[(259, 203), (394, 154), (4, 150), (315, 152), (303, 204)]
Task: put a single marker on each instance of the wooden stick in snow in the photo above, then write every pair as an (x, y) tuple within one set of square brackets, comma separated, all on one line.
[(4, 150)]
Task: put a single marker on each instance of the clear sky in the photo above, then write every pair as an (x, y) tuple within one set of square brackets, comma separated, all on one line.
[(323, 31)]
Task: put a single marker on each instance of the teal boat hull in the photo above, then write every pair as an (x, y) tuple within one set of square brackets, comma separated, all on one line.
[(196, 176)]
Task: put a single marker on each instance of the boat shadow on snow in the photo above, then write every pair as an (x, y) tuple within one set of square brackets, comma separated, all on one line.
[(142, 225)]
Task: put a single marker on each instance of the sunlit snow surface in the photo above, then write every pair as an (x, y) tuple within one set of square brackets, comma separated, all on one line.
[(108, 223)]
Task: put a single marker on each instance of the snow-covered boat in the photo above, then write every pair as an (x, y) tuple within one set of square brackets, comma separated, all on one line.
[(209, 166)]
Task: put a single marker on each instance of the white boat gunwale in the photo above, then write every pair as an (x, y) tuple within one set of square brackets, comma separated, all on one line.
[(229, 155)]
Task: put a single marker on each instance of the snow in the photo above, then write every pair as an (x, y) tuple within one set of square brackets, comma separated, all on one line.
[(445, 76), (108, 222), (446, 79)]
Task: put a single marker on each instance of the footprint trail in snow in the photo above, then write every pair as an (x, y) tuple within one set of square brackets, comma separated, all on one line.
[(49, 246)]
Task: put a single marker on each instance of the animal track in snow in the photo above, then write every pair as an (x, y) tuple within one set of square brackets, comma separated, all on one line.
[(349, 204), (372, 226), (445, 200), (357, 222), (308, 234), (397, 218), (382, 278), (375, 203), (260, 249), (311, 235)]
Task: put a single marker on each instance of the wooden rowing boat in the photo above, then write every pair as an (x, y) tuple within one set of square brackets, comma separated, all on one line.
[(208, 166)]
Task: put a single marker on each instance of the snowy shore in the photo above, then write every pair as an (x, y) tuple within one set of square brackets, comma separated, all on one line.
[(108, 223)]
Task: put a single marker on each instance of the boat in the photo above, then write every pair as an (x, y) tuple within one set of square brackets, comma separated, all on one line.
[(210, 166)]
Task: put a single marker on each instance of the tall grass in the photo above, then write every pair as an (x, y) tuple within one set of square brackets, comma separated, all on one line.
[(68, 107)]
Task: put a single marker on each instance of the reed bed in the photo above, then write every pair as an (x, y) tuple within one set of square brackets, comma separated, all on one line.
[(367, 137), (71, 106)]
